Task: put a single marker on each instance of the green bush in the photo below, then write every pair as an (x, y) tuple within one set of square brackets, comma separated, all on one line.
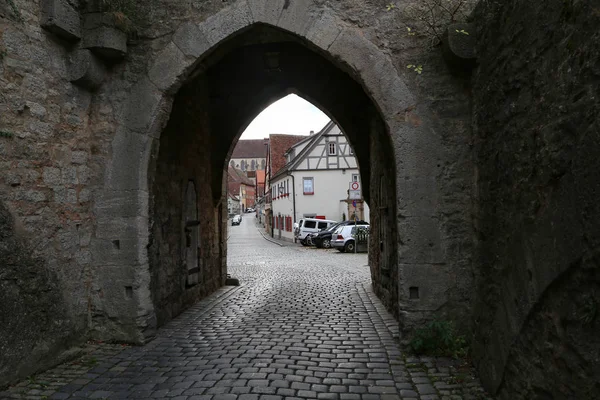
[(439, 338)]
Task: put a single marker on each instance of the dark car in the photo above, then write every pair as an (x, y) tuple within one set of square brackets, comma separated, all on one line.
[(323, 239)]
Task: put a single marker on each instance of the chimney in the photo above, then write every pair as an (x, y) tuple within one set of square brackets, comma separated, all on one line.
[(312, 133)]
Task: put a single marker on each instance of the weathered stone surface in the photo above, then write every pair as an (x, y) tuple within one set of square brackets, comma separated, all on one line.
[(85, 70), (62, 19), (142, 107), (296, 16), (170, 68), (135, 147), (103, 37), (36, 327), (536, 133), (420, 241), (459, 47), (324, 29), (266, 11), (190, 40), (226, 22)]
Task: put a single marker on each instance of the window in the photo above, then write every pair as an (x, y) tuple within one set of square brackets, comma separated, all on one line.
[(322, 225), (332, 149), (308, 184), (310, 224), (355, 178)]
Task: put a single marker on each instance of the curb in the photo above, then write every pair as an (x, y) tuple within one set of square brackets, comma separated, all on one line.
[(269, 239)]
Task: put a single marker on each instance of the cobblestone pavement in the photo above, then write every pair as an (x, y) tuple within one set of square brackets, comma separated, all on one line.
[(303, 324)]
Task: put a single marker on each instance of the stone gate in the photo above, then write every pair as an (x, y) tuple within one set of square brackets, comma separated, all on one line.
[(109, 119)]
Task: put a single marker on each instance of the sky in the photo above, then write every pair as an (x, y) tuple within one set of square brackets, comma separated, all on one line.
[(291, 114)]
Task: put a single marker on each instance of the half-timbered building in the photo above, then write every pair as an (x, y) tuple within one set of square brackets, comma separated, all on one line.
[(315, 182)]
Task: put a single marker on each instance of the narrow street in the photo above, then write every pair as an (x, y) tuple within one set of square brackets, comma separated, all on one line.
[(303, 324)]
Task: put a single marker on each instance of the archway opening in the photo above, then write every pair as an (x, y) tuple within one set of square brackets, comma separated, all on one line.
[(210, 111)]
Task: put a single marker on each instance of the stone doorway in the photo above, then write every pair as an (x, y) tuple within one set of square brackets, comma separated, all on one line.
[(202, 90)]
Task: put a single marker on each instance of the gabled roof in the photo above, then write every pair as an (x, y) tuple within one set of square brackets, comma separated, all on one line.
[(237, 175), (253, 148), (314, 140), (279, 144)]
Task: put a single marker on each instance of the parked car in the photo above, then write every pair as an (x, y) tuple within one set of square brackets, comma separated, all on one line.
[(323, 239), (307, 226), (249, 210), (344, 237), (236, 220)]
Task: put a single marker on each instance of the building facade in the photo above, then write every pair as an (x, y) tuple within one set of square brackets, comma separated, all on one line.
[(315, 182), (249, 155)]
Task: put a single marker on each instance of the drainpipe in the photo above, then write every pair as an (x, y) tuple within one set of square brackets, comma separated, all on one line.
[(293, 200)]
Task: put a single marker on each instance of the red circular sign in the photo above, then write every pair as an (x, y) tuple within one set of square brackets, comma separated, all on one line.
[(354, 185)]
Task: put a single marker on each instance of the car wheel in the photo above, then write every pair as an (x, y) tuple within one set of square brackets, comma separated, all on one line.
[(326, 243), (349, 247)]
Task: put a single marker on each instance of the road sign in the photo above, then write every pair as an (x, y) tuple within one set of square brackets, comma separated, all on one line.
[(354, 203), (354, 186), (354, 194)]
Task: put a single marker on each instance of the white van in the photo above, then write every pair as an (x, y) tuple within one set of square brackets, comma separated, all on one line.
[(309, 226)]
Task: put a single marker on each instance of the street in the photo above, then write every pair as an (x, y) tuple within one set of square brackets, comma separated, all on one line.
[(303, 324)]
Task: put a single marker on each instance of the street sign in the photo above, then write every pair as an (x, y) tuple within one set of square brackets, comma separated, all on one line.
[(354, 194)]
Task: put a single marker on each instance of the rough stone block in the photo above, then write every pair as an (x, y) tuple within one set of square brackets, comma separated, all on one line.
[(226, 22), (296, 16), (324, 30), (417, 195), (190, 40), (118, 227), (129, 203), (103, 37), (432, 281), (266, 11), (142, 107), (420, 241), (60, 18), (169, 68), (119, 251), (130, 155), (459, 48), (85, 70)]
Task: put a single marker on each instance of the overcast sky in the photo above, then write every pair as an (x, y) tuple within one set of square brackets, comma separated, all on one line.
[(291, 114)]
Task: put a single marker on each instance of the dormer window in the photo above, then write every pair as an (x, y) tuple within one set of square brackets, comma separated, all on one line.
[(332, 149)]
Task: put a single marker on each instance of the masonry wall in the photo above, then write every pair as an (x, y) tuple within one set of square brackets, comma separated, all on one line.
[(184, 155), (536, 105), (46, 155), (65, 192)]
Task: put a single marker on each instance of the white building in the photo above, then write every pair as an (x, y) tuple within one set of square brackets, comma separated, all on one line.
[(315, 182)]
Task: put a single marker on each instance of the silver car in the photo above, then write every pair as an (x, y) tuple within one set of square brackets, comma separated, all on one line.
[(344, 237)]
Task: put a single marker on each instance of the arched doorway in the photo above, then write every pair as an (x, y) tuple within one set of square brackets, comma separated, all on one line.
[(197, 99)]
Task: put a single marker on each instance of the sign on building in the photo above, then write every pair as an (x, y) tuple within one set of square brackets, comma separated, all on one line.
[(354, 191)]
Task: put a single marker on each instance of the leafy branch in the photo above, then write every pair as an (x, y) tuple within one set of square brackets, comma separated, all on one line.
[(433, 16)]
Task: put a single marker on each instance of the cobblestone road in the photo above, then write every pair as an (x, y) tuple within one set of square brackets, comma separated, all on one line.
[(304, 324)]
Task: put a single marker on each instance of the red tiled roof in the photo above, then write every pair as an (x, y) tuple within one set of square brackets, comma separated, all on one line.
[(253, 148), (237, 175), (279, 144)]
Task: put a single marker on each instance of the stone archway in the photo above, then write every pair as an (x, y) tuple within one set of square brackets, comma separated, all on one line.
[(123, 207)]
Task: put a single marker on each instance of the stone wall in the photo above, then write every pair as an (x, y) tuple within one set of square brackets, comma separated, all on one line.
[(35, 325), (536, 105), (111, 235), (184, 156)]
